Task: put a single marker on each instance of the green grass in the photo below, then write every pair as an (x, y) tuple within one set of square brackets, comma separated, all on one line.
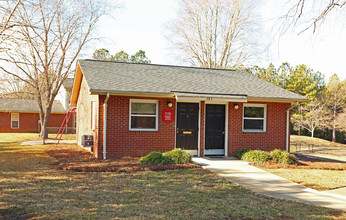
[(19, 137), (32, 188), (316, 179), (306, 141)]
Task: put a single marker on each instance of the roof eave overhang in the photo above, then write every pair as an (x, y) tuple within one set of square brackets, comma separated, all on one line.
[(177, 96), (131, 93), (270, 99), (76, 85), (210, 97), (197, 97)]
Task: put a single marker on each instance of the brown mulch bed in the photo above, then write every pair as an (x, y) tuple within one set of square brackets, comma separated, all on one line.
[(74, 158), (306, 163)]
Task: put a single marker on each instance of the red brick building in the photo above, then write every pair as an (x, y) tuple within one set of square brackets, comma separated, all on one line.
[(22, 116), (133, 109)]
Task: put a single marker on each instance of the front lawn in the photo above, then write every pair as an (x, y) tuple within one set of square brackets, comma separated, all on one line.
[(19, 137), (320, 145), (315, 179), (32, 187), (319, 174), (316, 173)]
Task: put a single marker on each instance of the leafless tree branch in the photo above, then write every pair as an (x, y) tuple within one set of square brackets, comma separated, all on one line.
[(43, 45), (301, 13), (215, 33)]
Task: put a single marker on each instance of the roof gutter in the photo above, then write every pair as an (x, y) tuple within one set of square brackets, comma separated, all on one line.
[(105, 127)]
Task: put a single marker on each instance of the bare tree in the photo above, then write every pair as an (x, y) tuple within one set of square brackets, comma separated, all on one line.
[(6, 22), (335, 100), (341, 120), (215, 33), (311, 13), (313, 115), (47, 38), (11, 87)]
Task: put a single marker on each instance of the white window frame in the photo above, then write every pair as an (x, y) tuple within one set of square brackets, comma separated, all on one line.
[(93, 115), (13, 120), (156, 115), (264, 118)]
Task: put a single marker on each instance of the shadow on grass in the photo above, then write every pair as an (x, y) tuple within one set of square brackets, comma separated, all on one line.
[(8, 143), (14, 213), (34, 189), (197, 194)]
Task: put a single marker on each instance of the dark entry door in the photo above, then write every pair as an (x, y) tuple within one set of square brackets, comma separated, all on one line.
[(187, 126), (215, 130)]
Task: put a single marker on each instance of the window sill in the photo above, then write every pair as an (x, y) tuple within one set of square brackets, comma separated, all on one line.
[(138, 129), (254, 131)]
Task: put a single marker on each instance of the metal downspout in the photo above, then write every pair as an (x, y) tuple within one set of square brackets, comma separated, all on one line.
[(105, 127), (288, 125)]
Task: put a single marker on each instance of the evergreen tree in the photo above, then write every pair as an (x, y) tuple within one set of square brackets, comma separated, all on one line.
[(121, 56)]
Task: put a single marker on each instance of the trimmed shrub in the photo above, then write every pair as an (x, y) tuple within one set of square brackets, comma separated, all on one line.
[(241, 152), (256, 156), (178, 156), (283, 157), (155, 158)]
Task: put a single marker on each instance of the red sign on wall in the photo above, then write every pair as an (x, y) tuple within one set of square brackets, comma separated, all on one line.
[(167, 116)]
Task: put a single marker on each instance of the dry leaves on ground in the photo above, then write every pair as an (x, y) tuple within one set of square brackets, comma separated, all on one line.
[(74, 158)]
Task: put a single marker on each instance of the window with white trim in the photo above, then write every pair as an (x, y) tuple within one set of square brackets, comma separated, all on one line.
[(143, 114), (254, 117), (14, 120)]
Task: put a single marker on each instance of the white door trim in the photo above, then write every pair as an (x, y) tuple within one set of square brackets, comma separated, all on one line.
[(198, 126)]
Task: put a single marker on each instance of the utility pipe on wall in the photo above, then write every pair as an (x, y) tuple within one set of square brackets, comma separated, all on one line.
[(105, 127), (288, 126)]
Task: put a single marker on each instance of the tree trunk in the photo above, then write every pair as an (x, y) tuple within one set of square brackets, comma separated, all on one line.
[(300, 120), (334, 116), (44, 122), (333, 137), (312, 133)]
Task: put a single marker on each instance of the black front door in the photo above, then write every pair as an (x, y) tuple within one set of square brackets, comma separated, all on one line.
[(215, 130), (187, 126)]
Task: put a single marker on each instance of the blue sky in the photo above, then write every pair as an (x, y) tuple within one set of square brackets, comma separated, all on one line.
[(139, 24)]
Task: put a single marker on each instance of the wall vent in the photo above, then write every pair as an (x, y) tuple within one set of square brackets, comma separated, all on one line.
[(87, 140)]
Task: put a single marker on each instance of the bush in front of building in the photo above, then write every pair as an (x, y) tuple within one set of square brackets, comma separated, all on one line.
[(179, 156), (155, 158), (284, 157), (256, 156), (176, 156), (259, 156), (241, 152)]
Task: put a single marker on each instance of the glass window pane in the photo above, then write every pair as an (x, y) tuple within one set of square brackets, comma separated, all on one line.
[(143, 108), (143, 122), (14, 124), (253, 124), (254, 112), (15, 117)]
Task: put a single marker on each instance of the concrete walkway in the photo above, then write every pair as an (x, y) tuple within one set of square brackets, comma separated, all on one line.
[(262, 182)]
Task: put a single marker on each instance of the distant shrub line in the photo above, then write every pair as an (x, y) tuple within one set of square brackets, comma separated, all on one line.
[(259, 156)]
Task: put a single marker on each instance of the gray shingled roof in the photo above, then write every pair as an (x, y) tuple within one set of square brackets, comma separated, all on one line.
[(68, 83), (26, 105), (104, 76)]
